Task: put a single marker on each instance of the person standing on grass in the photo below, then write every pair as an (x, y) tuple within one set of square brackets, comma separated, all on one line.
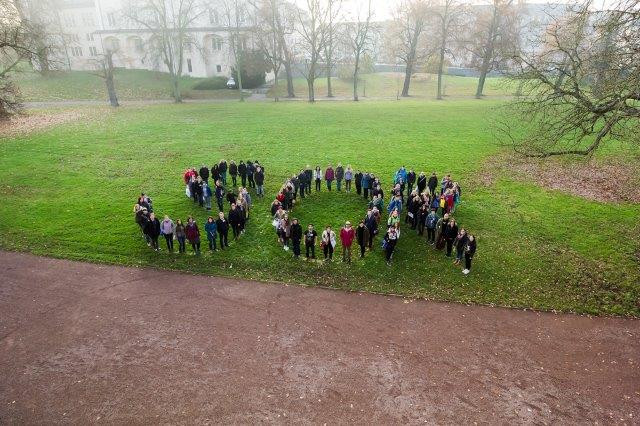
[(459, 243), (431, 222), (362, 235), (389, 244), (193, 235), (450, 234), (215, 173), (469, 251), (308, 172), (441, 227), (411, 180), (372, 226), (167, 228), (181, 236), (358, 181), (347, 235), (250, 171), (233, 171), (296, 236), (204, 173), (242, 171), (211, 229), (433, 183), (366, 184), (394, 219), (328, 242), (423, 213), (220, 195), (152, 229), (234, 220), (223, 230), (141, 217), (348, 177), (422, 183), (310, 241), (317, 176), (339, 176), (329, 176), (302, 183), (222, 168), (206, 194), (259, 181), (395, 204)]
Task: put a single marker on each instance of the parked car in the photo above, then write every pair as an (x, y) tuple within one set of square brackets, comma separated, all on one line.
[(231, 83)]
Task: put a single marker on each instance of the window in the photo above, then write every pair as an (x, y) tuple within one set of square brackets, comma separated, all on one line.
[(189, 65), (111, 18), (218, 68), (89, 37), (76, 51), (93, 51), (214, 18), (112, 43), (75, 37), (216, 43), (87, 19), (240, 15)]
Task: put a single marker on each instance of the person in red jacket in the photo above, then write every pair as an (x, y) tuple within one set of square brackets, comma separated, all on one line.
[(347, 234), (329, 176)]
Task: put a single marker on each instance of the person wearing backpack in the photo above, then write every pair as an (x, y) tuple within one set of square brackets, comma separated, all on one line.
[(431, 223), (211, 229)]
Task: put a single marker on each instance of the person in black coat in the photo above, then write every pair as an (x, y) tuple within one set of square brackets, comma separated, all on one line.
[(459, 243), (222, 168), (296, 236), (309, 178), (358, 179), (372, 225), (422, 218), (469, 251), (302, 182), (310, 236), (250, 171), (362, 235), (433, 183), (235, 220), (233, 171), (450, 234), (422, 182), (152, 229), (204, 173), (259, 181), (411, 180), (242, 171), (223, 230)]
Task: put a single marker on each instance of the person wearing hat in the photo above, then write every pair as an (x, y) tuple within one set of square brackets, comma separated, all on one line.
[(347, 234), (362, 235)]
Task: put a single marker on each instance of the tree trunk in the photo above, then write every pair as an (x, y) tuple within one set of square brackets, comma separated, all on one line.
[(329, 91), (240, 82), (483, 77), (312, 97), (275, 85), (177, 96), (407, 79), (355, 78), (111, 90), (289, 74), (440, 68), (488, 53)]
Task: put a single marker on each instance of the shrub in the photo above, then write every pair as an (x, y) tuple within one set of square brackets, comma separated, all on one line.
[(254, 69), (212, 83)]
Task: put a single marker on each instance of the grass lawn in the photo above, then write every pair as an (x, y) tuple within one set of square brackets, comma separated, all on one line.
[(68, 192), (130, 85)]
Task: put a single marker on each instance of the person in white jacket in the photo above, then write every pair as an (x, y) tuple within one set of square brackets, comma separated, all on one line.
[(328, 242), (317, 177)]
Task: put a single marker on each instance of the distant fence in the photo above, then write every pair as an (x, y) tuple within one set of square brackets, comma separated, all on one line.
[(322, 72)]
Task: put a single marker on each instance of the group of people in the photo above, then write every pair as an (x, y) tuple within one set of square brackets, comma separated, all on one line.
[(429, 205)]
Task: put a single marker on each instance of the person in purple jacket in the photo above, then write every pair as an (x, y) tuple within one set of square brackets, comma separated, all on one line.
[(329, 176)]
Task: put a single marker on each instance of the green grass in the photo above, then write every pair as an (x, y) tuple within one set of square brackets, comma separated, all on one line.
[(389, 85), (68, 192), (130, 85)]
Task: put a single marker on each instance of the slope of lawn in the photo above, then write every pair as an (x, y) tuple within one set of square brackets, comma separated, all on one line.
[(130, 85), (389, 85), (68, 192)]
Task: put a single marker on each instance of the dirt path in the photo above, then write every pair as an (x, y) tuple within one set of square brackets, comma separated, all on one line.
[(83, 343)]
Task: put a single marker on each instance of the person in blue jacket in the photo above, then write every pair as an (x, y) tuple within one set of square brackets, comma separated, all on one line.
[(366, 184), (395, 204), (212, 232)]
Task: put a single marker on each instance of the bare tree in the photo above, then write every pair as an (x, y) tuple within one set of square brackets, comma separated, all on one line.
[(234, 13), (448, 19), (495, 38), (168, 21), (405, 37), (598, 98), (358, 35), (312, 25), (104, 70), (333, 7)]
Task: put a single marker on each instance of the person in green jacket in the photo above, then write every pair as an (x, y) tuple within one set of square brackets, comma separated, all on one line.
[(212, 230)]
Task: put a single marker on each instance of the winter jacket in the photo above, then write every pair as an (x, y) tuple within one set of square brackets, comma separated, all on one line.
[(152, 228), (411, 177), (348, 175), (422, 183), (432, 220), (296, 232), (450, 232), (233, 169), (371, 223), (366, 181), (204, 173), (358, 178), (329, 238), (395, 203), (220, 192), (222, 225), (223, 167), (180, 231), (259, 177), (362, 235), (470, 248), (192, 232), (211, 229), (347, 236), (167, 227), (339, 173), (433, 182), (242, 169), (329, 174)]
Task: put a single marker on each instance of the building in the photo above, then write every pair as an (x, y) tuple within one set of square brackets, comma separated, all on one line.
[(89, 27)]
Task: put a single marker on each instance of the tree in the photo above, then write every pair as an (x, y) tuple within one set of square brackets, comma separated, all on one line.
[(312, 25), (447, 15), (18, 43), (234, 13), (358, 35), (405, 37), (599, 97), (254, 68), (104, 68), (333, 7), (495, 38), (168, 21)]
